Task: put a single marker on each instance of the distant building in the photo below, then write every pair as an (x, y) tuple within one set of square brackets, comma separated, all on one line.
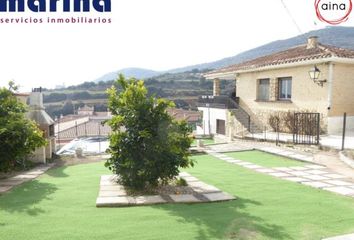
[(193, 118), (86, 111)]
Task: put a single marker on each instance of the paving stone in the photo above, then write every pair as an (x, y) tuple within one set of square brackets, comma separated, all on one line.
[(298, 156), (114, 201), (11, 182), (253, 166), (184, 174), (285, 169), (317, 172), (334, 176), (299, 168), (201, 187), (342, 237), (191, 179), (115, 193), (316, 177), (302, 157), (43, 168), (111, 188), (109, 178), (37, 172), (244, 163), (149, 200), (279, 174), (286, 153), (234, 161), (108, 183), (317, 184), (265, 170), (339, 183), (4, 189), (341, 190), (298, 173), (296, 179), (312, 166), (215, 197), (229, 158), (271, 150), (184, 198), (25, 176), (307, 158)]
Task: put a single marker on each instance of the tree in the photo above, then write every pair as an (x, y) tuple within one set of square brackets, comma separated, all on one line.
[(19, 136), (147, 146)]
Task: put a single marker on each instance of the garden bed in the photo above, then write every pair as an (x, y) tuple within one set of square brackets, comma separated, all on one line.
[(112, 194)]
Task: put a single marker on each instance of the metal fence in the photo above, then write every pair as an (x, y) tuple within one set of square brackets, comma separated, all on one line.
[(307, 131), (88, 129)]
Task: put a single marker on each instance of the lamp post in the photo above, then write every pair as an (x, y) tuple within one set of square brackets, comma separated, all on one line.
[(315, 75), (208, 106)]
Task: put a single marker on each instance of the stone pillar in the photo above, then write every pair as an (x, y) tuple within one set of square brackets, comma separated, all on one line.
[(273, 89), (39, 155), (216, 89)]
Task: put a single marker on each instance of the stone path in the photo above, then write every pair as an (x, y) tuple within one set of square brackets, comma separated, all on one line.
[(312, 175), (112, 194), (7, 184), (343, 237)]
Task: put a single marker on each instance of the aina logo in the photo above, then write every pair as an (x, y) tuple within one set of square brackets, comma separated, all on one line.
[(333, 11), (55, 5)]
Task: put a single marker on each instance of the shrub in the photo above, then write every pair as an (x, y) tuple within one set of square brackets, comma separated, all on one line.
[(289, 121), (147, 145), (19, 136), (274, 121), (180, 182)]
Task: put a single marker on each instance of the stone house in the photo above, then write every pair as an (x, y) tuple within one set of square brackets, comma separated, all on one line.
[(310, 77), (37, 113)]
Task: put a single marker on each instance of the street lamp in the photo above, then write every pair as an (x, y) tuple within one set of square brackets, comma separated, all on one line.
[(315, 75)]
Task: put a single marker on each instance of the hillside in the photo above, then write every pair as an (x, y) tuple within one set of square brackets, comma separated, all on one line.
[(139, 73), (336, 36)]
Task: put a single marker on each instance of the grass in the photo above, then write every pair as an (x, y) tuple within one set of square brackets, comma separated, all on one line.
[(61, 205), (265, 159)]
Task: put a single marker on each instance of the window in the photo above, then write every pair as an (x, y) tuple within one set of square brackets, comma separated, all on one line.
[(263, 89), (285, 87)]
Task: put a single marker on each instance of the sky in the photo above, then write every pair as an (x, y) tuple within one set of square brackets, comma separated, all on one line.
[(154, 34)]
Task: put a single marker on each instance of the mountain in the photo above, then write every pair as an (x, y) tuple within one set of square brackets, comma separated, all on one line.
[(139, 73), (336, 36)]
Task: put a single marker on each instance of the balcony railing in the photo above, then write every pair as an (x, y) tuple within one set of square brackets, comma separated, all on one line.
[(223, 102)]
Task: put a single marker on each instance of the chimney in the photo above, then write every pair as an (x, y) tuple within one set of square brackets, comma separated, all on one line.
[(36, 99), (312, 42)]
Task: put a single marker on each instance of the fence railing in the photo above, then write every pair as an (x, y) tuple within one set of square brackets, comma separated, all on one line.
[(223, 102)]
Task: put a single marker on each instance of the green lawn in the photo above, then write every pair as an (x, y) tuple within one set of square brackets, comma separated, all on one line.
[(61, 205), (265, 159)]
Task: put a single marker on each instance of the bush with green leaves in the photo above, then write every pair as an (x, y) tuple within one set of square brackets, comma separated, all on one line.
[(19, 136), (147, 146)]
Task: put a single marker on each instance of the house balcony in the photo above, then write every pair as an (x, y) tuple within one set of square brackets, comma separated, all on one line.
[(222, 102)]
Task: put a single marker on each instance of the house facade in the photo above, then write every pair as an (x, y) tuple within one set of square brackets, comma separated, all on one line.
[(281, 82)]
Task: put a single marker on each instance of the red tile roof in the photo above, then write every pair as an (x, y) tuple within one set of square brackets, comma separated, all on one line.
[(180, 114), (292, 55)]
